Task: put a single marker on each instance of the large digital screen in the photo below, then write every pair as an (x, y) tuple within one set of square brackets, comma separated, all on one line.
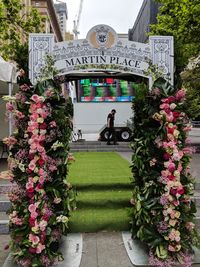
[(105, 90)]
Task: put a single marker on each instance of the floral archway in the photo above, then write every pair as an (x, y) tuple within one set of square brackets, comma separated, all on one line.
[(162, 212)]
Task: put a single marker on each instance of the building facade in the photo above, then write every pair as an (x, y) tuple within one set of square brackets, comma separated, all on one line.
[(61, 11), (147, 15), (47, 10)]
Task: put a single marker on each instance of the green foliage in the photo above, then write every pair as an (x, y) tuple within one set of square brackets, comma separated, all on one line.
[(48, 71), (160, 130), (191, 82), (180, 19), (15, 25)]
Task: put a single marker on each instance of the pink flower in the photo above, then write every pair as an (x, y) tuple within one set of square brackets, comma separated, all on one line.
[(164, 106), (49, 92), (188, 150), (19, 114), (9, 106), (41, 179), (165, 173), (171, 99), (53, 124), (32, 166), (190, 226), (170, 166), (170, 117), (43, 225), (34, 239), (9, 141), (171, 248), (177, 155), (180, 95), (37, 98), (34, 215), (155, 91), (34, 117), (165, 100), (180, 190), (33, 207), (24, 87), (187, 128), (29, 185), (40, 248), (174, 235)]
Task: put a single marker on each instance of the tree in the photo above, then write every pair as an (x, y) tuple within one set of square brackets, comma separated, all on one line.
[(180, 19), (15, 25), (191, 82)]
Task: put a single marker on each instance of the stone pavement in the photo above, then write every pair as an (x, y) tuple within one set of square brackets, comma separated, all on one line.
[(104, 250)]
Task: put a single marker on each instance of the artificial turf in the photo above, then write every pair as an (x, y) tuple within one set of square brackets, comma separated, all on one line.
[(102, 181)]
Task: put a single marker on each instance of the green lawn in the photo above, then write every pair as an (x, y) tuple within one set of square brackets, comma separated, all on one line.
[(102, 180), (99, 168)]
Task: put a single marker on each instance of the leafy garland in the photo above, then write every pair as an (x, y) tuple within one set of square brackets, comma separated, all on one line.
[(38, 156), (162, 210)]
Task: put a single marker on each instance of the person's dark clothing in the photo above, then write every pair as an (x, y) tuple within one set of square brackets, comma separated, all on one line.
[(111, 129), (111, 119)]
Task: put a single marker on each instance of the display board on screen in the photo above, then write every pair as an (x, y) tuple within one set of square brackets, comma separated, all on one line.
[(105, 90)]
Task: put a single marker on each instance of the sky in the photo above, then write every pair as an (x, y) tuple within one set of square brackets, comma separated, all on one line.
[(119, 14)]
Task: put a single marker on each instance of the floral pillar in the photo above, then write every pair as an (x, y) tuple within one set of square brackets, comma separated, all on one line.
[(41, 196), (163, 210)]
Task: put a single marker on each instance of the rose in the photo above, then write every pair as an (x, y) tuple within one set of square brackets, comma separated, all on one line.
[(164, 106), (9, 106), (31, 221), (37, 98), (180, 95), (32, 250), (33, 207), (172, 106), (34, 239), (41, 162), (39, 248), (43, 126), (166, 156)]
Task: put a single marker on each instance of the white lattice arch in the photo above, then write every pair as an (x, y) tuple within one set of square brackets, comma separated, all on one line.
[(102, 52)]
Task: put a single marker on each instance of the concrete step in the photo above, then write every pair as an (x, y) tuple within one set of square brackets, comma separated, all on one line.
[(98, 146)]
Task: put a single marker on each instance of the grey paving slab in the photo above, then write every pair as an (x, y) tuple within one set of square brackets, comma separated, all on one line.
[(104, 249), (89, 254), (111, 251), (4, 240)]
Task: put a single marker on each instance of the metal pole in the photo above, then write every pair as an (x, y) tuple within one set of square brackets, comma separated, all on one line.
[(10, 88)]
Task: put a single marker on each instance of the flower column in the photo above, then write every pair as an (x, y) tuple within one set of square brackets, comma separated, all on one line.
[(42, 197)]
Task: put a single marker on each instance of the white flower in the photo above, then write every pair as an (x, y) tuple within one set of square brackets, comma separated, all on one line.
[(62, 219), (21, 167), (9, 98), (172, 106), (56, 145)]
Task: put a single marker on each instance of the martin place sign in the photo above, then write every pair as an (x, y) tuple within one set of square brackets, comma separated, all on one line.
[(102, 50)]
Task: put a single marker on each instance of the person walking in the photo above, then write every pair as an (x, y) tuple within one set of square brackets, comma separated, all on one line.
[(111, 128)]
